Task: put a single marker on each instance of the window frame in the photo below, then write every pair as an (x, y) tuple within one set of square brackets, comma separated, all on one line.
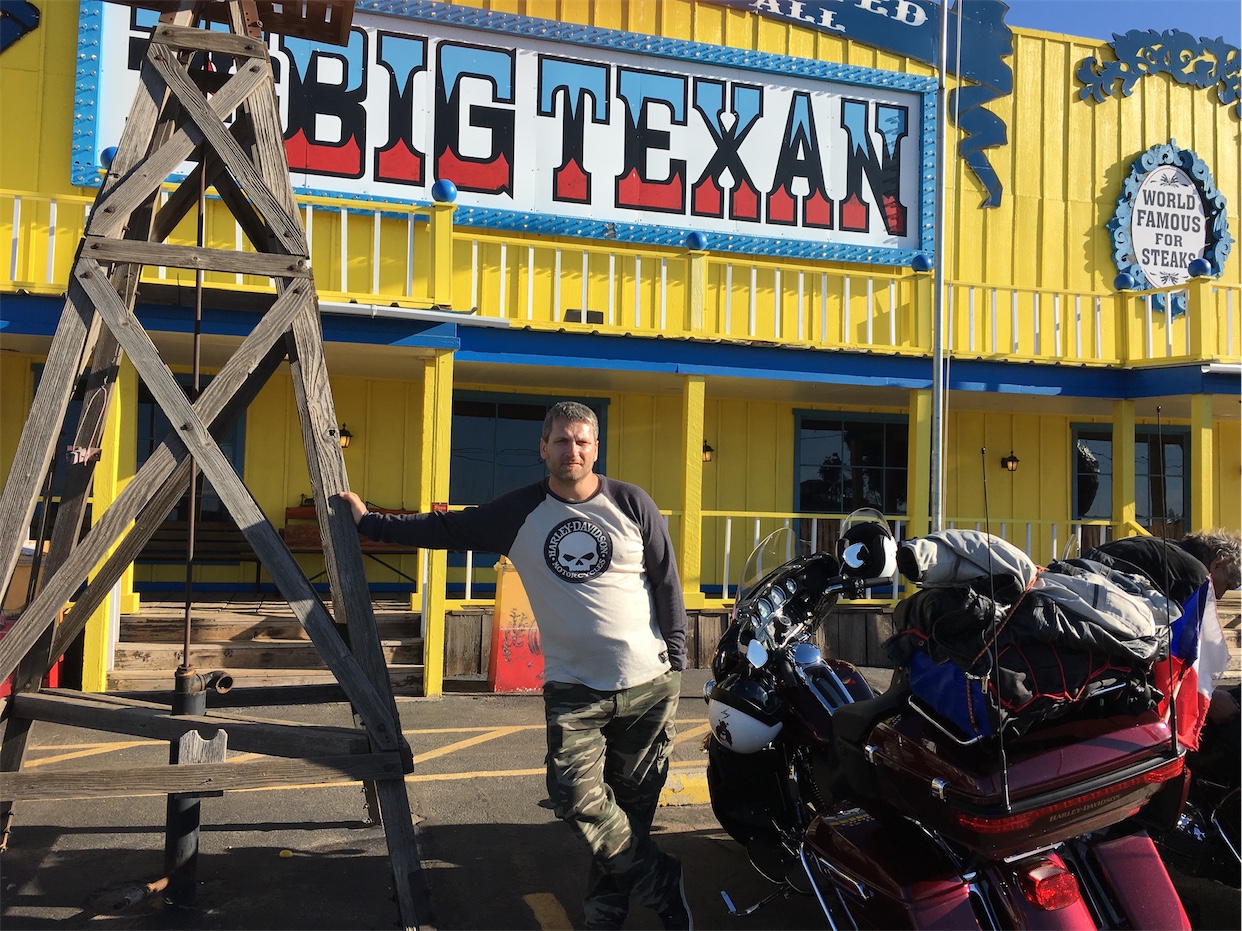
[(598, 405), (801, 415)]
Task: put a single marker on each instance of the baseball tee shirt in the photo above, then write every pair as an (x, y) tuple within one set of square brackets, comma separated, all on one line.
[(600, 575)]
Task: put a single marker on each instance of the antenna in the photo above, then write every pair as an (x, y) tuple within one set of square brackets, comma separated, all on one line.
[(992, 634), (1164, 554)]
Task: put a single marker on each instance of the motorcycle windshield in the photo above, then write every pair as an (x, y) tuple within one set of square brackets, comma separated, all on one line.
[(779, 547)]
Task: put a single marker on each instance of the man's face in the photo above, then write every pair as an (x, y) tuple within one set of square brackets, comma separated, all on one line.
[(570, 450), (1224, 575)]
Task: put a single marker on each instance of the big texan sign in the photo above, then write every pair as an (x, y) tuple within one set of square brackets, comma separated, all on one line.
[(571, 130)]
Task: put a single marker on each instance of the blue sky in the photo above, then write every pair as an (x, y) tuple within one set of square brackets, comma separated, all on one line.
[(1099, 19)]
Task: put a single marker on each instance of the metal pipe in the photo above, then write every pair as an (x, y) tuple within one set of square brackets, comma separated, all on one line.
[(182, 814), (938, 386)]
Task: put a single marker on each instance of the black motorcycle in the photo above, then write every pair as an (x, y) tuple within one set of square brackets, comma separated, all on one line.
[(874, 806)]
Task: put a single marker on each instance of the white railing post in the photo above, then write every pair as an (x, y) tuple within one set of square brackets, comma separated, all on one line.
[(344, 251), (409, 261), (15, 248), (50, 273), (612, 289), (375, 252), (424, 573)]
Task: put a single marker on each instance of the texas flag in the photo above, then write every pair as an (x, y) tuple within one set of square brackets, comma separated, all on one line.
[(1198, 657)]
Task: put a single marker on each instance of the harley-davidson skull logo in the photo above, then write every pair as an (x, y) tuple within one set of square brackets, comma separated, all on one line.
[(578, 550)]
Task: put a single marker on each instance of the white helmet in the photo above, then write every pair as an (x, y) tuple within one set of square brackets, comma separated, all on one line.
[(743, 712)]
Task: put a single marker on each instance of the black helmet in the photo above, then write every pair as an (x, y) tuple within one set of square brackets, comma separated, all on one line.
[(728, 653), (868, 550), (744, 711)]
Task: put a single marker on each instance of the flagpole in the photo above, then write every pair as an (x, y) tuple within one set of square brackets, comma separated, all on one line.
[(938, 302)]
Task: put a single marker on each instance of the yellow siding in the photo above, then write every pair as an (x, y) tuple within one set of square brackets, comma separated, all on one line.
[(1227, 493), (16, 393)]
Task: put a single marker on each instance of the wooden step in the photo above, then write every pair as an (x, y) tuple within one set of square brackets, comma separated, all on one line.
[(407, 679), (228, 626), (243, 654), (1229, 609)]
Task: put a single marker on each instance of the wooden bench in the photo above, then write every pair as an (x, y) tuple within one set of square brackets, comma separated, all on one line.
[(301, 533), (215, 541)]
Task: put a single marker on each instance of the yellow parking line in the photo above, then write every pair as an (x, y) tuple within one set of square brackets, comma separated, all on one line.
[(88, 750), (548, 911), (692, 732), (468, 742)]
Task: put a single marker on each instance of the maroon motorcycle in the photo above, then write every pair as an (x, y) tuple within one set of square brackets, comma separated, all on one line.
[(884, 810)]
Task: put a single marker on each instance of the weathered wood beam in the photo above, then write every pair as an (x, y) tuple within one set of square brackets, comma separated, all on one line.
[(188, 39), (39, 436), (267, 265), (113, 207), (119, 782), (156, 722), (185, 197), (209, 124), (262, 536)]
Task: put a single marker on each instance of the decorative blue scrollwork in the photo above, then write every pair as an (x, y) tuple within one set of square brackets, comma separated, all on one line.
[(1217, 240), (1201, 62)]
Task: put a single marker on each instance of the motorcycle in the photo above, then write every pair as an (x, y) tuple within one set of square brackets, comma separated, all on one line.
[(1195, 822), (883, 812)]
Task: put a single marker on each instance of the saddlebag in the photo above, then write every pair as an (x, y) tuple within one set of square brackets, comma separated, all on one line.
[(1061, 780)]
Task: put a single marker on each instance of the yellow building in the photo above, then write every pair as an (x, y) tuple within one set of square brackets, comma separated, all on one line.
[(723, 226)]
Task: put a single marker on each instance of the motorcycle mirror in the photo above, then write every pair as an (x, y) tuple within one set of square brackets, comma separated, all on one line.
[(756, 654)]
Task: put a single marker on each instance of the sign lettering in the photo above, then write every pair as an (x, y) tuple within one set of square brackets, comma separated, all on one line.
[(603, 140)]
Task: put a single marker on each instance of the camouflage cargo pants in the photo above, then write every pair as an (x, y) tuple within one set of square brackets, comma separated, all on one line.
[(607, 761)]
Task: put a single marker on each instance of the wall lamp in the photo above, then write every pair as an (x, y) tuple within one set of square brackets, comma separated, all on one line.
[(346, 437), (708, 453), (1010, 462)]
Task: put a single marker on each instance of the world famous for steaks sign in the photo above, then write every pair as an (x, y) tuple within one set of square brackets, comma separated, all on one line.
[(552, 128)]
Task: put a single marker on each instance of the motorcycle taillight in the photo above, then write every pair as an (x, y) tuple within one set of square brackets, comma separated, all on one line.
[(1047, 885), (1024, 820)]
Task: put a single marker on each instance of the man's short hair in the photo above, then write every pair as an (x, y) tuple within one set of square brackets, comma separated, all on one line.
[(1207, 546), (574, 412)]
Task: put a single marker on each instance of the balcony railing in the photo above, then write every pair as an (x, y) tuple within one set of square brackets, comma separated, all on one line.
[(729, 537), (410, 256)]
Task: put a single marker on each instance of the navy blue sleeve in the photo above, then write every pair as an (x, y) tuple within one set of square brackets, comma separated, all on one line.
[(660, 564), (491, 527)]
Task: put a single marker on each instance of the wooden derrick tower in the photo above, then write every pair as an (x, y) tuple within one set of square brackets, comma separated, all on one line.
[(227, 125)]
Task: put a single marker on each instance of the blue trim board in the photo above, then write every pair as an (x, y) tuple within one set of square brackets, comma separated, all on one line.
[(636, 354), (31, 315), (38, 316)]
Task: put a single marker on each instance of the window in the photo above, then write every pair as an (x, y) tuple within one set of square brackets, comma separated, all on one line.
[(1093, 473), (1161, 481), (852, 461), (1162, 477), (495, 444), (153, 426)]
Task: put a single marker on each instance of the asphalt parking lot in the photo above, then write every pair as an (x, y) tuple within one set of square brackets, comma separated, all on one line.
[(305, 858)]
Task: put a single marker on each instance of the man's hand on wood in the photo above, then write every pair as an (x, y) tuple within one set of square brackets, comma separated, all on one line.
[(356, 505)]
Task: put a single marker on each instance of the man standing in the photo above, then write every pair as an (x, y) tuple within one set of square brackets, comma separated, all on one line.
[(596, 560)]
